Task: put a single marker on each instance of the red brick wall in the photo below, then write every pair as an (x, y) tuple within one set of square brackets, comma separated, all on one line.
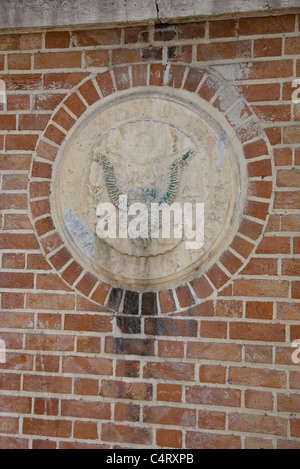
[(207, 364)]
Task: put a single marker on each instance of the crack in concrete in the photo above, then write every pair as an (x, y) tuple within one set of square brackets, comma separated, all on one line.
[(157, 11)]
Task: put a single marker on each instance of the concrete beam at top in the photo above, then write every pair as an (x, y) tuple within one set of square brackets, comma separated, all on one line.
[(16, 14)]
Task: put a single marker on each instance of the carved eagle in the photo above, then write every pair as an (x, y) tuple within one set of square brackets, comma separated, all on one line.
[(162, 197)]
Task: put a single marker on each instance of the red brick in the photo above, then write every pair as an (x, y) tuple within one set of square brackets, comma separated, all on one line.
[(256, 331), (13, 443), (176, 74), (41, 170), (156, 74), (213, 329), (136, 34), (169, 392), (105, 83), (272, 245), (231, 262), (193, 79), (258, 424), (85, 430), (268, 47), (12, 300), (101, 292), (84, 365), (46, 406), (10, 382), (223, 50), (292, 46), (295, 428), (287, 200), (49, 321), (75, 104), (261, 92), (86, 284), (16, 280), (274, 135), (20, 41), (209, 88), (50, 301), (18, 102), (267, 25), (288, 403), (217, 276), (169, 371), (291, 134), (213, 396), (47, 384), (283, 157), (122, 78), (43, 427), (89, 92), (14, 182), (96, 37), (291, 267), (87, 387), (201, 440), (253, 377), (128, 368), (169, 438), (59, 343), (288, 311), (288, 178), (22, 142), (139, 75), (127, 412), (212, 374), (294, 333), (47, 102), (88, 344), (229, 309), (214, 351), (180, 54), (19, 62), (57, 40), (167, 303), (259, 310), (88, 322), (57, 81), (64, 119), (259, 400), (211, 420), (296, 290), (184, 296), (164, 415), (126, 434), (72, 272), (273, 113), (9, 425), (48, 60), (170, 349), (261, 288), (222, 28)]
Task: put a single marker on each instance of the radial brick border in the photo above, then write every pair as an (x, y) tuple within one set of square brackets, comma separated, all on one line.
[(225, 99)]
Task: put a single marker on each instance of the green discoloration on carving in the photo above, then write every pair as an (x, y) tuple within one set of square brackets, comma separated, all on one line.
[(170, 194)]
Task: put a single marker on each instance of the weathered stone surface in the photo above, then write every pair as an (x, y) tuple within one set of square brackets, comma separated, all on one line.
[(153, 148), (34, 13)]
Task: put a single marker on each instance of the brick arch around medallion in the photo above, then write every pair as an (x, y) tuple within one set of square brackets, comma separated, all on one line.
[(225, 99)]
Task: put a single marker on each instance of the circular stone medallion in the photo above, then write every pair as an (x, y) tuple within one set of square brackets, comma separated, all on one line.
[(153, 148)]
